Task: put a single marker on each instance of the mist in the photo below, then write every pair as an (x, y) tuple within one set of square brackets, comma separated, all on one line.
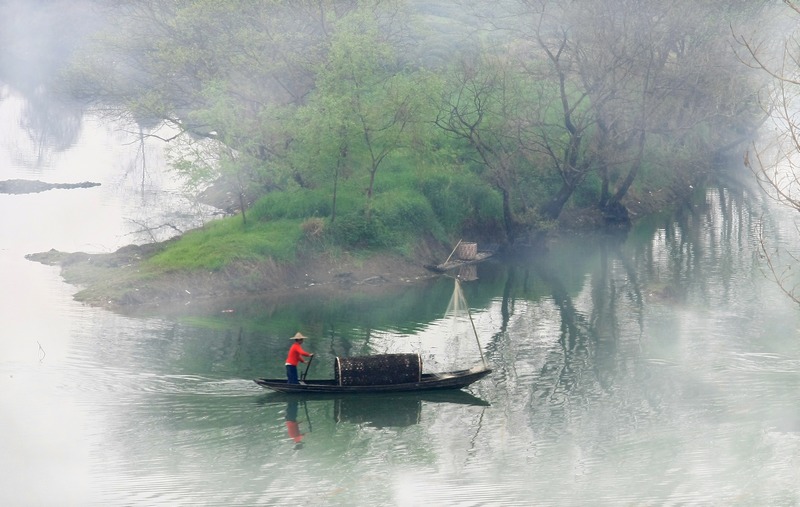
[(641, 352)]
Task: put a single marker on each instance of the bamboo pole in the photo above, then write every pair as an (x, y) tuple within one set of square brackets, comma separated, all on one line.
[(451, 253)]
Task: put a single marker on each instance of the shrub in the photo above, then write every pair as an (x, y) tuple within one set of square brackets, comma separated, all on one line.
[(404, 210), (302, 203), (355, 229), (456, 199)]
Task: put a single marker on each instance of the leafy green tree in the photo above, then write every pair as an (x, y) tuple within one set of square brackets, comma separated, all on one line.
[(222, 74), (365, 107), (480, 106)]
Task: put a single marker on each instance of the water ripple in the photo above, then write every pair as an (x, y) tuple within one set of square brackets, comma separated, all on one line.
[(762, 362), (116, 380)]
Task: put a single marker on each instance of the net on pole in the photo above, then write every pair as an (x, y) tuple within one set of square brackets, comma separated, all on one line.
[(463, 349)]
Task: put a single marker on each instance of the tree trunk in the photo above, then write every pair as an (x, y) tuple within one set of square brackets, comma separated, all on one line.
[(605, 192), (508, 216), (628, 181), (552, 208)]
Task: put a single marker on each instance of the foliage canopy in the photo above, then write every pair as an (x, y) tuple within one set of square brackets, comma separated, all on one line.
[(372, 123)]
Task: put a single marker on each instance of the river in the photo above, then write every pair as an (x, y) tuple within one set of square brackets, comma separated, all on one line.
[(658, 368)]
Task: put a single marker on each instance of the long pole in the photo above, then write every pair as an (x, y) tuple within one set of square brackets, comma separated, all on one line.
[(451, 253), (474, 330), (303, 378)]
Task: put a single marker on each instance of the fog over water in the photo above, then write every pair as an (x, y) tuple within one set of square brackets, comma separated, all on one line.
[(658, 368)]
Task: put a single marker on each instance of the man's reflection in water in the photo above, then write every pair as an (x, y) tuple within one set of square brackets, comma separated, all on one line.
[(292, 426)]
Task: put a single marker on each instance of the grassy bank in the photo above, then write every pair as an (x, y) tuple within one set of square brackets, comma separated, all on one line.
[(411, 206), (230, 240)]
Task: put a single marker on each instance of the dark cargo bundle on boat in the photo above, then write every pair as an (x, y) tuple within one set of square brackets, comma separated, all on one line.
[(378, 370)]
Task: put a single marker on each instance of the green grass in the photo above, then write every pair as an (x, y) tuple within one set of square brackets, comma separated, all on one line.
[(228, 240)]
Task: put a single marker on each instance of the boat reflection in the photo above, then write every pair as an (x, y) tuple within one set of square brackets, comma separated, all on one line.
[(376, 410), (380, 413)]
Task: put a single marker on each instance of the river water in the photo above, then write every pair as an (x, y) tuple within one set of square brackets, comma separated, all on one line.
[(658, 368)]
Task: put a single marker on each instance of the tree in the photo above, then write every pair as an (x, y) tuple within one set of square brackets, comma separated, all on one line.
[(773, 159), (233, 75), (365, 104), (478, 107), (634, 77), (224, 73)]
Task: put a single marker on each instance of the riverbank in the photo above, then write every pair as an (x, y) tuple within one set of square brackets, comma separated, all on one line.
[(122, 278)]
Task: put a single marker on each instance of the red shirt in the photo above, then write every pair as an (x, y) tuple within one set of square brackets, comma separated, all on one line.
[(295, 354)]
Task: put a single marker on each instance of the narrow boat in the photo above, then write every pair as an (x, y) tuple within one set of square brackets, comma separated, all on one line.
[(427, 382), (452, 264), (466, 254)]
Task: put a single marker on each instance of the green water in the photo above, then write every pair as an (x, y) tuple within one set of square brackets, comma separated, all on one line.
[(657, 368), (660, 367)]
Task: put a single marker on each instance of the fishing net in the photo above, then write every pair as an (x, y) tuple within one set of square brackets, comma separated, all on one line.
[(377, 370), (462, 348)]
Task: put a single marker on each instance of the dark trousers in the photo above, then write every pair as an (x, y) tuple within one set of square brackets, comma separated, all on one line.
[(291, 374)]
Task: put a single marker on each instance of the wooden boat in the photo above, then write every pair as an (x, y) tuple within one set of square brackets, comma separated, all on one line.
[(464, 254), (451, 264), (427, 382)]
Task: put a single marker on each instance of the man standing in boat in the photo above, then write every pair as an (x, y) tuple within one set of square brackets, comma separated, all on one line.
[(295, 356)]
